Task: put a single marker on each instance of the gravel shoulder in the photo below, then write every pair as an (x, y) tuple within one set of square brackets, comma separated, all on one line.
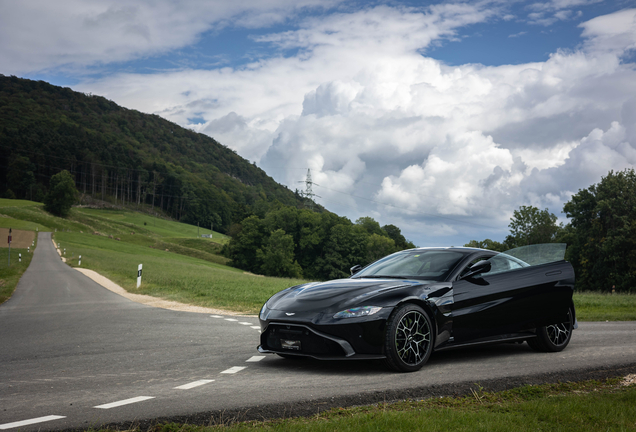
[(149, 300), (145, 299)]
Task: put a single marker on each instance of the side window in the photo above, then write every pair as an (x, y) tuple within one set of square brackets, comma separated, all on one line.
[(470, 264), (501, 264)]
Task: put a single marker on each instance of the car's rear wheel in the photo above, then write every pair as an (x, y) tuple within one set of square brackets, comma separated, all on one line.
[(409, 338), (554, 337)]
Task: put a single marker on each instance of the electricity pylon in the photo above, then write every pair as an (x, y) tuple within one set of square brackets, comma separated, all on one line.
[(309, 194)]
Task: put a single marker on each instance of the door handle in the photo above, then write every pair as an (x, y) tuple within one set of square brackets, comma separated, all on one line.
[(553, 273)]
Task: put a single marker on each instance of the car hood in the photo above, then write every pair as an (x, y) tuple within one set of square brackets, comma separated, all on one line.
[(337, 294)]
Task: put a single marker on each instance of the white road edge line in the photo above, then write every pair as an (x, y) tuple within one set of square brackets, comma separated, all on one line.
[(246, 323), (230, 319), (216, 316), (30, 421), (255, 359), (256, 327), (193, 384), (234, 369), (124, 402)]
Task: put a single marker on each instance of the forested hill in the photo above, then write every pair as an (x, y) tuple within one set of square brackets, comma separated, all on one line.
[(124, 156)]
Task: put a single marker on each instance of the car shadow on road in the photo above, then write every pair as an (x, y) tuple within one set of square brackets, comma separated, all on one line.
[(449, 358)]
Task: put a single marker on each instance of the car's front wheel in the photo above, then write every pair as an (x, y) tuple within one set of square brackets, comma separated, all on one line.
[(409, 338), (554, 337)]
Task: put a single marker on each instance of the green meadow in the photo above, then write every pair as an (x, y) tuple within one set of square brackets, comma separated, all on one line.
[(10, 274), (179, 265)]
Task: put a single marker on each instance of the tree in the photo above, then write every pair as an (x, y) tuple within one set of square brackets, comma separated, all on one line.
[(20, 177), (488, 244), (345, 247), (278, 256), (379, 246), (248, 239), (370, 225), (395, 234), (62, 194), (529, 225), (602, 233)]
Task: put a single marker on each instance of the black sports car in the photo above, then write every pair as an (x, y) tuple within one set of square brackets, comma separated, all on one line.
[(408, 304)]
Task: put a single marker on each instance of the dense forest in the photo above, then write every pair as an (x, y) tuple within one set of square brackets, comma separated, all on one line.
[(52, 137), (124, 156), (293, 242)]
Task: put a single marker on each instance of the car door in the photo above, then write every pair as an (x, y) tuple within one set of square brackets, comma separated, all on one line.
[(509, 299)]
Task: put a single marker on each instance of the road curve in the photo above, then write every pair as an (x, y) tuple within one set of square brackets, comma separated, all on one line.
[(75, 355)]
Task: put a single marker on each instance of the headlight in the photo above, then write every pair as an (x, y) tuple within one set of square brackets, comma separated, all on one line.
[(357, 312), (264, 311)]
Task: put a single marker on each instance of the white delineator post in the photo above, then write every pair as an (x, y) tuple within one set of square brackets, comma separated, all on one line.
[(79, 262), (138, 275)]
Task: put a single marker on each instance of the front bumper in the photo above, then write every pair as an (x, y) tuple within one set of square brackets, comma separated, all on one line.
[(363, 340)]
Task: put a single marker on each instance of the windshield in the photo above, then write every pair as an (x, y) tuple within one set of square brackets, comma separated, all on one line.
[(433, 265)]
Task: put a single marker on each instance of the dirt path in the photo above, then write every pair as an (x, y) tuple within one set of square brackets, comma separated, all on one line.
[(145, 299), (19, 238), (149, 300)]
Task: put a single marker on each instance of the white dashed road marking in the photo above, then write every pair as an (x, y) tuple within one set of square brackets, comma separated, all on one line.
[(188, 386), (124, 402), (193, 384), (233, 369), (30, 421)]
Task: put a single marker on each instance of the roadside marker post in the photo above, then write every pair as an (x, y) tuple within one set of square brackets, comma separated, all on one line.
[(9, 264), (79, 263), (19, 257), (139, 275)]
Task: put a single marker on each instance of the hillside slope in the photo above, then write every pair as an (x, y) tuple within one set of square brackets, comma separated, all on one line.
[(124, 156)]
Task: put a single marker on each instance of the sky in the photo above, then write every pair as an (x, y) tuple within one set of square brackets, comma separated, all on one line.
[(439, 117)]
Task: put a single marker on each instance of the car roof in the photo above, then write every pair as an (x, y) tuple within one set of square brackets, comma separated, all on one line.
[(452, 248)]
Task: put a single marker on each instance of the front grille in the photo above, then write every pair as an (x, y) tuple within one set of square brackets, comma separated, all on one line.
[(310, 342)]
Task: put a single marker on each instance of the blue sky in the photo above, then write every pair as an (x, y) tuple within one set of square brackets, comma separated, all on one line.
[(439, 117)]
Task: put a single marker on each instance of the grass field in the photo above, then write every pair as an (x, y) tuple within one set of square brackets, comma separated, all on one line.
[(177, 265), (10, 274), (169, 275), (161, 227), (592, 306), (182, 267), (585, 406)]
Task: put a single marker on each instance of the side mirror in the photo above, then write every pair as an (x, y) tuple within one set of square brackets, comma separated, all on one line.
[(477, 268), (355, 269)]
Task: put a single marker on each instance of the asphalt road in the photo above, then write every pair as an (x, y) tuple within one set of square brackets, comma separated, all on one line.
[(74, 355)]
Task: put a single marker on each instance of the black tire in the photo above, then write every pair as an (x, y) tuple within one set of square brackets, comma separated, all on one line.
[(409, 338), (554, 337)]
